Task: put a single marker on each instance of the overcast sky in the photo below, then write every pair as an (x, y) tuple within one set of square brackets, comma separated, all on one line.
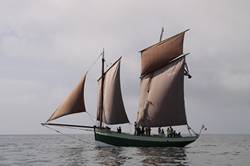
[(47, 45)]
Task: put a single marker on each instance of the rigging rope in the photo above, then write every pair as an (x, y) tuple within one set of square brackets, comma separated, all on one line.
[(190, 129), (81, 140), (91, 117), (90, 67), (94, 63)]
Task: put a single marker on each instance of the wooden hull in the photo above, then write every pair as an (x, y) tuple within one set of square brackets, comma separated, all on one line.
[(124, 139)]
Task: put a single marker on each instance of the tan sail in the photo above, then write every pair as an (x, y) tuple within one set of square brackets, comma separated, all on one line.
[(160, 54), (162, 97), (74, 103), (113, 108)]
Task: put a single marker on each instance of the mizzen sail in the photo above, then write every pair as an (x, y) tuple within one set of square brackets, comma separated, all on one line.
[(113, 111), (74, 103), (162, 97), (160, 54)]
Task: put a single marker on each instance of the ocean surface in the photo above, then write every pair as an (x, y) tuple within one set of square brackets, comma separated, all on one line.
[(74, 150)]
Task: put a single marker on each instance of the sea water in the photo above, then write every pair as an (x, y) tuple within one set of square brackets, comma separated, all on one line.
[(74, 150)]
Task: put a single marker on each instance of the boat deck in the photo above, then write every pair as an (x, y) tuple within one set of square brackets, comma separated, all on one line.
[(126, 139)]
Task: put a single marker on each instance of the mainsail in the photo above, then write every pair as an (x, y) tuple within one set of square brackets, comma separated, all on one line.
[(162, 97), (113, 111), (161, 88), (74, 103)]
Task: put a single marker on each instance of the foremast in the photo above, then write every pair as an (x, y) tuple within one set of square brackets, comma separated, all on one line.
[(102, 89)]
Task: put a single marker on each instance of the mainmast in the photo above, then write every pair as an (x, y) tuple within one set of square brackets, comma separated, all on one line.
[(162, 30), (102, 89)]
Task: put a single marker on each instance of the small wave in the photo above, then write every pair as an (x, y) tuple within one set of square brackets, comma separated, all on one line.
[(209, 145)]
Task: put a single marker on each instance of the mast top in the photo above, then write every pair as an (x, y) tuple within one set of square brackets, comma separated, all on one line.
[(162, 31), (103, 54)]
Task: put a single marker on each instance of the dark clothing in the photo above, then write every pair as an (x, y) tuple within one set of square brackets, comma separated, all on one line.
[(119, 130), (159, 130), (142, 131)]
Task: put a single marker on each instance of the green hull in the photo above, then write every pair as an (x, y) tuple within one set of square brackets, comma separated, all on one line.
[(123, 139)]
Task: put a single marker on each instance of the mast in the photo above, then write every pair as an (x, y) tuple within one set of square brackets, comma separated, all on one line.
[(162, 30), (102, 89)]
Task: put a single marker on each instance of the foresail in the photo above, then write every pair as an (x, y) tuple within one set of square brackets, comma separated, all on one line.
[(160, 54), (74, 103), (162, 97), (113, 108)]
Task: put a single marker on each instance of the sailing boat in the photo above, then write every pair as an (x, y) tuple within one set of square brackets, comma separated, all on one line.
[(161, 102)]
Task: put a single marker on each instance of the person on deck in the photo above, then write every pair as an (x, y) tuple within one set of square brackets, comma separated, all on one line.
[(178, 134), (138, 130), (159, 130), (119, 129), (174, 133), (171, 131), (142, 131), (162, 132), (146, 131), (168, 132), (136, 133)]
